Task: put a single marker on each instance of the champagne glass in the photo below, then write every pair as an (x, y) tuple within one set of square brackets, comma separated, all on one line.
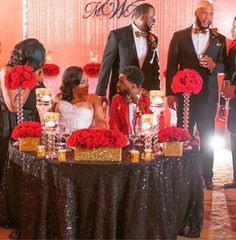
[(224, 84)]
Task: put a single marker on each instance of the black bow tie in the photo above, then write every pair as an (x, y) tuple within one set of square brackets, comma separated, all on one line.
[(141, 34), (198, 30)]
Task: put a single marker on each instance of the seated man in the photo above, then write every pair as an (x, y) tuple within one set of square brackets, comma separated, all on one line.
[(130, 100)]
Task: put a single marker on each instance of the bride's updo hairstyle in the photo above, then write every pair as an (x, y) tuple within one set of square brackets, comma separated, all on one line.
[(70, 79), (28, 52)]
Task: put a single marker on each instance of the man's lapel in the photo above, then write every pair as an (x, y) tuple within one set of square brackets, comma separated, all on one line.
[(132, 43), (189, 43)]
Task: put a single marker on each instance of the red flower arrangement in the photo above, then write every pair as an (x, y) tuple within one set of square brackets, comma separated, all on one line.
[(92, 69), (187, 81), (27, 129), (50, 69), (152, 40), (173, 134), (20, 76), (94, 138)]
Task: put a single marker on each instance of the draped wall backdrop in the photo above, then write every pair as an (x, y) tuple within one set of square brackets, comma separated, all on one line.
[(62, 26), (70, 34)]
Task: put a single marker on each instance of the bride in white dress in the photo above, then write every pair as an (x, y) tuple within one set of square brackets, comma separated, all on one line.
[(77, 108)]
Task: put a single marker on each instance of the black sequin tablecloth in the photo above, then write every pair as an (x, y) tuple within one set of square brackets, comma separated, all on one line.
[(159, 199)]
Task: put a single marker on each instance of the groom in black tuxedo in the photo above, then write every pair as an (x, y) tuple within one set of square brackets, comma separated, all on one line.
[(132, 45), (204, 50)]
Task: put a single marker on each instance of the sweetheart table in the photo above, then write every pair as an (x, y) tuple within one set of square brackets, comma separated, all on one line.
[(47, 199)]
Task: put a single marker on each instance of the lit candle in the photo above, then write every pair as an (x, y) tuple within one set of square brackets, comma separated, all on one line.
[(50, 124), (61, 154), (134, 155), (40, 150), (46, 98), (147, 121), (147, 154)]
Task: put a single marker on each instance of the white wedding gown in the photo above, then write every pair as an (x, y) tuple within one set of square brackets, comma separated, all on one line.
[(75, 117)]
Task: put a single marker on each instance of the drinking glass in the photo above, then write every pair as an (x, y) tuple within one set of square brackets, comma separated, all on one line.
[(60, 132), (224, 84)]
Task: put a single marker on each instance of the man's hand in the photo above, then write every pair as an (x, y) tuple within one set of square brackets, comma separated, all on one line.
[(229, 91), (208, 63), (172, 102)]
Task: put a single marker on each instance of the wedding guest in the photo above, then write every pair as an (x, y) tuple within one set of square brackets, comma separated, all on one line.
[(198, 48), (230, 92), (28, 52), (78, 109), (133, 45), (130, 100)]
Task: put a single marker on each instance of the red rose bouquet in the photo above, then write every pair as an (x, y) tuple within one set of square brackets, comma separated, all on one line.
[(50, 69), (27, 129), (94, 138), (173, 134), (187, 81), (92, 69), (20, 76)]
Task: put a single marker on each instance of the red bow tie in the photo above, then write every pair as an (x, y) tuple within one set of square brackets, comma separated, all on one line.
[(141, 34), (198, 30)]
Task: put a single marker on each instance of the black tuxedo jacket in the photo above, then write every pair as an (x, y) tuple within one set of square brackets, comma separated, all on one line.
[(231, 74), (182, 55), (120, 52)]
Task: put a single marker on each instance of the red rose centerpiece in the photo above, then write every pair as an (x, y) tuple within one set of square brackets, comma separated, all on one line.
[(28, 134), (97, 144), (92, 69), (20, 77), (187, 81), (173, 138)]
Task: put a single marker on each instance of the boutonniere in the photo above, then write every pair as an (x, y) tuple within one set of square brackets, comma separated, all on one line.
[(152, 42), (214, 31)]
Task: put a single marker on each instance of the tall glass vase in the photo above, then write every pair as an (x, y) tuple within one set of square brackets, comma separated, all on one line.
[(19, 105), (186, 111), (157, 101)]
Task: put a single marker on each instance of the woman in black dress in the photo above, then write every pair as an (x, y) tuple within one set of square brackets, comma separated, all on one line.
[(28, 52)]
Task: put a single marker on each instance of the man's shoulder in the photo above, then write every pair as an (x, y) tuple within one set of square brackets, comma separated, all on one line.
[(117, 98), (218, 35), (181, 31), (122, 29)]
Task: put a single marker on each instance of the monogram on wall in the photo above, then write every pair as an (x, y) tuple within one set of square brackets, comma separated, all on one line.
[(110, 8)]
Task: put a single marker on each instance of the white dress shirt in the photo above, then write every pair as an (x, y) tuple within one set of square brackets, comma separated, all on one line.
[(141, 45), (132, 112), (200, 42)]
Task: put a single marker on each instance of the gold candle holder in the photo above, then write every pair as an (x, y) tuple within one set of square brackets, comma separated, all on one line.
[(61, 155), (40, 150), (51, 119), (135, 154), (147, 154), (157, 97), (42, 92)]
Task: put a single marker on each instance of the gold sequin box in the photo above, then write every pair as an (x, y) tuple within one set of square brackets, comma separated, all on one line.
[(98, 154), (173, 149), (28, 144)]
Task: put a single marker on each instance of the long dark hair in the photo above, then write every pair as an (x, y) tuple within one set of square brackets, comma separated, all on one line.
[(28, 52), (71, 78)]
